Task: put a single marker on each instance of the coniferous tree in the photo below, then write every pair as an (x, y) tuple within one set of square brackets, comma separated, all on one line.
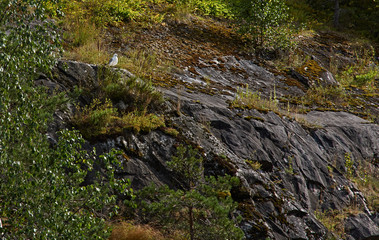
[(202, 209)]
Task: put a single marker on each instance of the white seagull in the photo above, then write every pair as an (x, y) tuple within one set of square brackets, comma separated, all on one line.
[(113, 61)]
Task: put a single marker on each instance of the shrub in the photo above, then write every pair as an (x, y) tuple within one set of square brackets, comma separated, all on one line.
[(138, 93), (367, 180), (171, 131), (203, 209), (263, 22), (254, 164), (43, 195), (105, 12), (95, 119), (363, 73), (217, 8)]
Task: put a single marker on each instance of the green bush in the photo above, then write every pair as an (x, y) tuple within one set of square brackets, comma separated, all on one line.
[(140, 94), (105, 12), (43, 192), (264, 22), (203, 209), (94, 119), (216, 8)]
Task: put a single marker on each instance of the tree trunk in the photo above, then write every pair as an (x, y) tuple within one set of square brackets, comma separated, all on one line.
[(336, 13)]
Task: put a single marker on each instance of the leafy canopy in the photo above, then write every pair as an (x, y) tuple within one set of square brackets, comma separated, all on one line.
[(42, 190)]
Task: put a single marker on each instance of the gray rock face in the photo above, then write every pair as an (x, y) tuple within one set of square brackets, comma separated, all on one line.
[(361, 227), (303, 169)]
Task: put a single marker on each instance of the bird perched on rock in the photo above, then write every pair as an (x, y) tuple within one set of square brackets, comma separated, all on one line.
[(113, 61)]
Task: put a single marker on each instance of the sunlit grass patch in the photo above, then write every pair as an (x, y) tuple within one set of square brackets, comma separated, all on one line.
[(327, 96), (101, 118), (245, 98)]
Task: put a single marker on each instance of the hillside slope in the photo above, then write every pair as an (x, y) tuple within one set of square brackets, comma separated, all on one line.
[(303, 154)]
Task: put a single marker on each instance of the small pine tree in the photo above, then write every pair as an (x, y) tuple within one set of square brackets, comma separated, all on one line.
[(203, 209)]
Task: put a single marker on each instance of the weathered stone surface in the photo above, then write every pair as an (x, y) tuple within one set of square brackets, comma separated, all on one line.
[(71, 73), (361, 227), (278, 200)]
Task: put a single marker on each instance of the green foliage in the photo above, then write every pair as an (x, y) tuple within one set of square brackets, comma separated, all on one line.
[(133, 90), (363, 72), (24, 52), (217, 8), (188, 163), (94, 119), (142, 121), (349, 163), (367, 181), (106, 12), (254, 164), (43, 195), (47, 199), (333, 220), (304, 14), (100, 118), (202, 209), (138, 93), (355, 15), (289, 169), (366, 78), (327, 96), (171, 131), (263, 22)]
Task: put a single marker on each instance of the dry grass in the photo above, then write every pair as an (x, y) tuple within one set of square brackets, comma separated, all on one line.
[(143, 63), (101, 118), (91, 52), (326, 96), (254, 164), (140, 62), (367, 180), (334, 220), (130, 231), (247, 99), (142, 121)]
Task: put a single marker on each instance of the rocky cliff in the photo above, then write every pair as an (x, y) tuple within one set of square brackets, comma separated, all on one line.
[(302, 157)]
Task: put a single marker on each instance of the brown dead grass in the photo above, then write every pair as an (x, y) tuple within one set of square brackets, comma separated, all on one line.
[(131, 231), (128, 231)]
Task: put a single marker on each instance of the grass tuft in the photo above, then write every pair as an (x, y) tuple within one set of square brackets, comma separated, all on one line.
[(247, 99)]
